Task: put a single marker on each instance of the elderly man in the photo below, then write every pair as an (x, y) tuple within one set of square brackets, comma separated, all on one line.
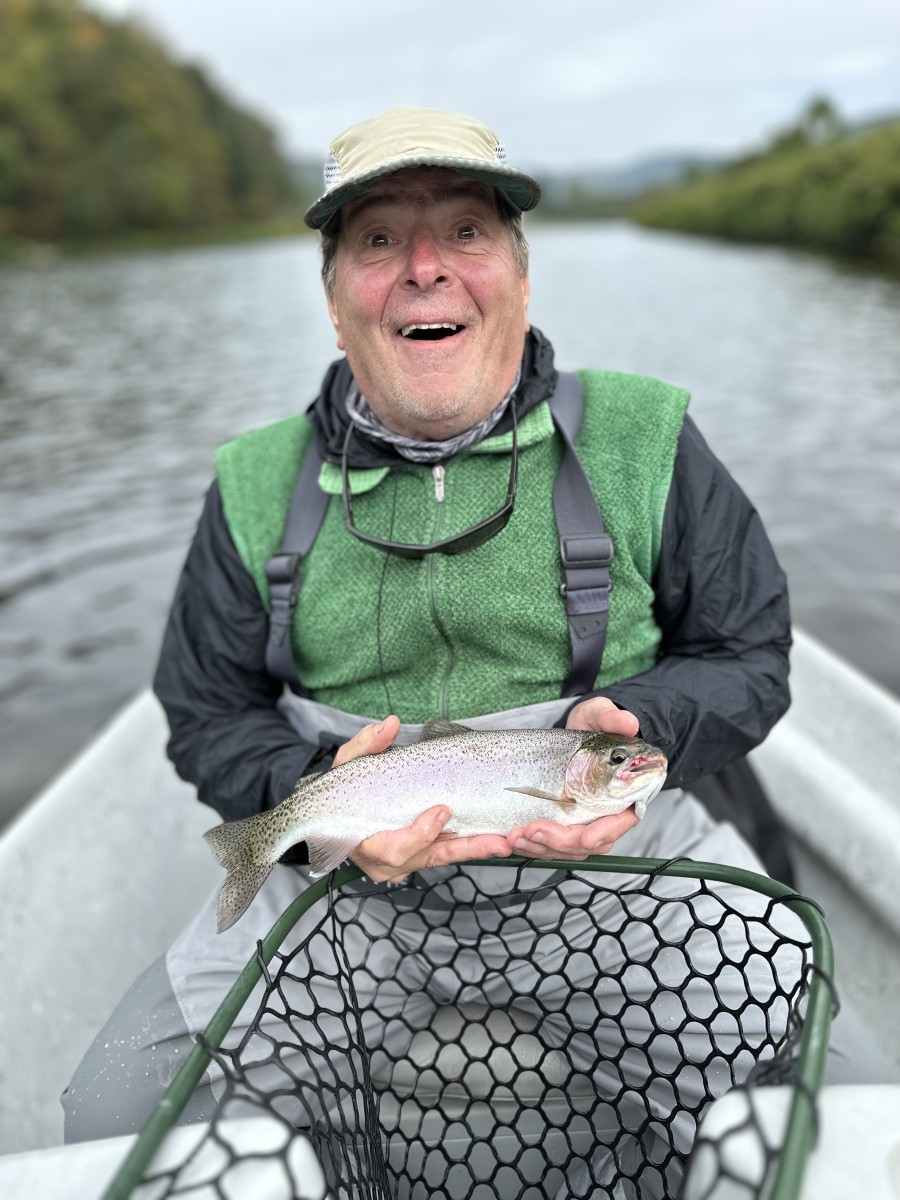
[(441, 573)]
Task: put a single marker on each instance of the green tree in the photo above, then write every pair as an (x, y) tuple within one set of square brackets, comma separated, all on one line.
[(817, 186), (101, 133)]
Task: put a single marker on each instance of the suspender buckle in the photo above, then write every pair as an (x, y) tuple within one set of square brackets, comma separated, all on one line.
[(586, 560), (586, 552), (282, 568)]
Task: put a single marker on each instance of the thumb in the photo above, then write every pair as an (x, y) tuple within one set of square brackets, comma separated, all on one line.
[(371, 739)]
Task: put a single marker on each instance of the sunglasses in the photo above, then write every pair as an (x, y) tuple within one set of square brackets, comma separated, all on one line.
[(469, 539)]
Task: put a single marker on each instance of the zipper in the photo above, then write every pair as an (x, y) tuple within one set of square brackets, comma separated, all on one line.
[(438, 474)]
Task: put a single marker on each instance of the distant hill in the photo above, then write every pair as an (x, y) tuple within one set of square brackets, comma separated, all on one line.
[(629, 180), (567, 192)]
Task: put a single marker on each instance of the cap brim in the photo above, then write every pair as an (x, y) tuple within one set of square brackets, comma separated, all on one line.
[(520, 189)]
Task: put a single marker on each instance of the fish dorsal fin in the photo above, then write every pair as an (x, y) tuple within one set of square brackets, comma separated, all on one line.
[(437, 728), (563, 801)]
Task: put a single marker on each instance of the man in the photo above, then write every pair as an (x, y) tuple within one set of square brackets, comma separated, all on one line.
[(434, 585)]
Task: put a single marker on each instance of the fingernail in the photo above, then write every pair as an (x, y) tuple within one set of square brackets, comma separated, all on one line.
[(539, 838)]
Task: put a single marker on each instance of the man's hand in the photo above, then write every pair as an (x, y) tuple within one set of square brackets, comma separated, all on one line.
[(600, 715), (394, 853), (549, 839)]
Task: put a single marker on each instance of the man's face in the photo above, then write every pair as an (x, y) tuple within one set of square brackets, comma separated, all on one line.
[(427, 247)]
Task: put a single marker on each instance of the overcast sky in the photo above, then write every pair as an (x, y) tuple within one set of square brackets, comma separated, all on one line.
[(566, 82)]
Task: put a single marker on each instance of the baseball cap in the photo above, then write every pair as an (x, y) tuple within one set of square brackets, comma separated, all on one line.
[(417, 137)]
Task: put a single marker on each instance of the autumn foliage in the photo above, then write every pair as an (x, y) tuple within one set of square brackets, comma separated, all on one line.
[(103, 134)]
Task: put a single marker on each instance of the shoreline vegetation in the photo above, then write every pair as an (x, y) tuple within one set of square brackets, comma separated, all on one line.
[(107, 144), (818, 186), (105, 140)]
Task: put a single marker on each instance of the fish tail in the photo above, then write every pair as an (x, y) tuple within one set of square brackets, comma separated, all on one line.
[(232, 844)]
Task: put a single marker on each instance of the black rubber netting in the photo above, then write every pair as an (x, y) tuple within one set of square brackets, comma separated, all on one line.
[(480, 1033)]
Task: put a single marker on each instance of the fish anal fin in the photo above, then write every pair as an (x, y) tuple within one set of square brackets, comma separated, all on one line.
[(438, 728), (564, 802), (326, 853)]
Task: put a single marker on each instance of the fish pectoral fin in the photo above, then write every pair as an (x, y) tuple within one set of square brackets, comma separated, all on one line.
[(436, 728), (563, 801), (326, 853)]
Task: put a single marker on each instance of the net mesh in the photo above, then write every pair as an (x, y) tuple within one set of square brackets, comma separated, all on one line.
[(481, 1033)]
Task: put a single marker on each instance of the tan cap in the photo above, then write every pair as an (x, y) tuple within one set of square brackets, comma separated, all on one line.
[(417, 137)]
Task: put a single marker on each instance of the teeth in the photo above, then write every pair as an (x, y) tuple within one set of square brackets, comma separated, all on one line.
[(408, 329)]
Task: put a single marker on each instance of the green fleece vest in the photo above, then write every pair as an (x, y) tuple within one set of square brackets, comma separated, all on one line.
[(482, 631)]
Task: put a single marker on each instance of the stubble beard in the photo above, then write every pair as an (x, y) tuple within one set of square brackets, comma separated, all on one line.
[(433, 418)]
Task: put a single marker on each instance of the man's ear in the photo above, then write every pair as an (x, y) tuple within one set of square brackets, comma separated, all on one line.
[(332, 312), (526, 296)]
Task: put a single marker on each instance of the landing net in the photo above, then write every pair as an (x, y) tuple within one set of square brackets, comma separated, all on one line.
[(510, 1029)]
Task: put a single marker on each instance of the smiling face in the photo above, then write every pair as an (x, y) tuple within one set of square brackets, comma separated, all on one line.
[(428, 302)]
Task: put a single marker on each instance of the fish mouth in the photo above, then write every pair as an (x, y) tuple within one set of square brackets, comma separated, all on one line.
[(430, 331), (641, 764)]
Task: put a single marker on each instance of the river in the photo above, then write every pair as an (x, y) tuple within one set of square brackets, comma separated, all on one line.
[(120, 374)]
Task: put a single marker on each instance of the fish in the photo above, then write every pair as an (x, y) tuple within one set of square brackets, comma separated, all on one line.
[(492, 780)]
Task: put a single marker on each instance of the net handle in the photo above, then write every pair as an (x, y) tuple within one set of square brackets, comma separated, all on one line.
[(171, 1106), (800, 1129)]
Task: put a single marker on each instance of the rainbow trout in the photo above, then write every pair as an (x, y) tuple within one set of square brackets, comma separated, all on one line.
[(491, 780)]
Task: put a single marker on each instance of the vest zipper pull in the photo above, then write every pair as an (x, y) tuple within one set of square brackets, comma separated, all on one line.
[(438, 473)]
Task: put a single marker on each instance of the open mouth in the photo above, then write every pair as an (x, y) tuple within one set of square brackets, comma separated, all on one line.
[(431, 333), (640, 765)]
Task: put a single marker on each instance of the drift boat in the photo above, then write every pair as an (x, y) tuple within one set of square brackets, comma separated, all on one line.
[(101, 871)]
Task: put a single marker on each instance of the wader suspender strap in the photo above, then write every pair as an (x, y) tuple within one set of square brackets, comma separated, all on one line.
[(585, 549), (304, 520)]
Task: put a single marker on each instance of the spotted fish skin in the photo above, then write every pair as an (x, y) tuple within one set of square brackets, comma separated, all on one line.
[(491, 780)]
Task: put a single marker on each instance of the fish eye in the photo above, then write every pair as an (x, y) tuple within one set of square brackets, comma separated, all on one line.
[(618, 756)]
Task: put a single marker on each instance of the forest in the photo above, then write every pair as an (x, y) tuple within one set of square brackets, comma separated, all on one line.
[(818, 184), (102, 134)]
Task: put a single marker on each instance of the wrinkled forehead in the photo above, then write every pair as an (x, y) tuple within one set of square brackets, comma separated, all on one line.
[(419, 187)]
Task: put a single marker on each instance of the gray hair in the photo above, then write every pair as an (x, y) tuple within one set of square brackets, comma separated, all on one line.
[(511, 216)]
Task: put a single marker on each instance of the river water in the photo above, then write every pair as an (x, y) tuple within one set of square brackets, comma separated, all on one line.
[(120, 375)]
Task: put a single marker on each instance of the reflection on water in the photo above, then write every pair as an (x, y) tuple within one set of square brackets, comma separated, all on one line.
[(119, 377)]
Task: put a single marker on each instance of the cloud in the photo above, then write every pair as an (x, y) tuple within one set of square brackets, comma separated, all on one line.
[(592, 81)]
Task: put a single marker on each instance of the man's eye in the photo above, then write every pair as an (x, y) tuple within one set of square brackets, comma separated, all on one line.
[(467, 232), (378, 240)]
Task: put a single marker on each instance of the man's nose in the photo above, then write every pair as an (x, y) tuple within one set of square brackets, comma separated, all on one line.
[(426, 264)]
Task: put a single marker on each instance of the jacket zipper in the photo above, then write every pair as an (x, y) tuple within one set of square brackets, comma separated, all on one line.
[(438, 474)]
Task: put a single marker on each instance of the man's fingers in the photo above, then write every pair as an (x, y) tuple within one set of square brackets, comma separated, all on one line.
[(549, 839), (372, 739), (600, 715), (546, 839), (393, 854), (396, 849), (599, 836)]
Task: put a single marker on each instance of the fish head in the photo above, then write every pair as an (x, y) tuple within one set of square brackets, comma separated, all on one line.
[(609, 773)]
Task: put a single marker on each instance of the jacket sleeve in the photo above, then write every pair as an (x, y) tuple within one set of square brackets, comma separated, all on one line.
[(227, 735), (721, 680)]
